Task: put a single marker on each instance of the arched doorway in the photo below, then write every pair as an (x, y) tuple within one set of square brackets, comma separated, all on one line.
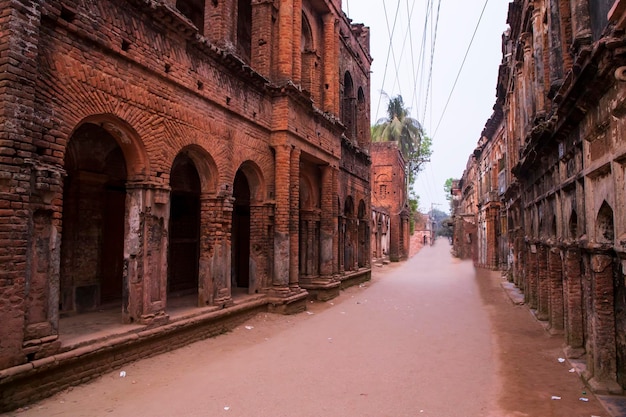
[(94, 198), (240, 235), (184, 228)]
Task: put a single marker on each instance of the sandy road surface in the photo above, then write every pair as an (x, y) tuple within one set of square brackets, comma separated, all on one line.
[(425, 338)]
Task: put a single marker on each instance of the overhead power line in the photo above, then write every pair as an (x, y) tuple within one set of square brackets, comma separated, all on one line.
[(461, 68)]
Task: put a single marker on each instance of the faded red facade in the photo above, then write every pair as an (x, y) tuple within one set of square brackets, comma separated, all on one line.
[(561, 93), (173, 149), (390, 200)]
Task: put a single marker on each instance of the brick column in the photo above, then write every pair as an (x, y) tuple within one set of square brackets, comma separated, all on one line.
[(601, 360), (145, 253), (335, 220), (215, 251), (573, 290), (330, 75), (328, 222), (543, 294), (539, 87), (581, 23), (285, 40), (294, 218), (555, 265), (280, 278), (262, 39), (297, 40), (531, 289)]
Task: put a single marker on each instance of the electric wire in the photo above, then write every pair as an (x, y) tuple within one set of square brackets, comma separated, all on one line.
[(390, 52), (460, 69)]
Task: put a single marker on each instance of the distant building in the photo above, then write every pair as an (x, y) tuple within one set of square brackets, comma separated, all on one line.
[(389, 198)]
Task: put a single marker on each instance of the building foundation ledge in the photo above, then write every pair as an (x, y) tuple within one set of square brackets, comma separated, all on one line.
[(86, 360), (603, 387), (355, 277), (322, 288), (574, 352), (291, 303)]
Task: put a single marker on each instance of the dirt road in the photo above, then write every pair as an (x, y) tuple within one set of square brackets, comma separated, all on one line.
[(427, 337)]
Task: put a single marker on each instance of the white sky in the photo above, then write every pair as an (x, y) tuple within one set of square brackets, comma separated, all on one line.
[(472, 101)]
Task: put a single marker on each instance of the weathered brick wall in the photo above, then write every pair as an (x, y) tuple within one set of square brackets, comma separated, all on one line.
[(389, 193), (140, 74)]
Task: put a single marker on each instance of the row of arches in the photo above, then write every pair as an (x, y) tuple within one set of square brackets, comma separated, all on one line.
[(96, 213), (604, 224), (129, 241)]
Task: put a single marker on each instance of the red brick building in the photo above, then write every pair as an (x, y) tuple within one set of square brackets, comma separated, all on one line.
[(562, 93), (390, 199), (209, 153)]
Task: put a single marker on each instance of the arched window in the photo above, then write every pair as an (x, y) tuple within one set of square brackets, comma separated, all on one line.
[(348, 108), (605, 232)]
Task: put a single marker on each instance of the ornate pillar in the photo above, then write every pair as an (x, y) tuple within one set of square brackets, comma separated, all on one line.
[(215, 251), (145, 253), (601, 360)]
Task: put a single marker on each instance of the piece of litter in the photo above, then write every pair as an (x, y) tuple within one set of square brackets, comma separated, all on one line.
[(226, 408), (572, 370), (584, 399), (554, 397), (249, 327), (123, 374), (330, 339), (310, 313), (561, 360), (332, 304)]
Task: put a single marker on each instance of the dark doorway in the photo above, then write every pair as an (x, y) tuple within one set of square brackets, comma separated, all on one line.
[(94, 198), (241, 232), (184, 227)]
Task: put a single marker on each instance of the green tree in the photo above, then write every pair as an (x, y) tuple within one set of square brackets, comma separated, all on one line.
[(447, 187), (400, 127)]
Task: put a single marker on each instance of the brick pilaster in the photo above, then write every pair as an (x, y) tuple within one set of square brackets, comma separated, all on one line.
[(573, 290), (330, 77), (531, 289), (285, 40), (262, 37), (281, 216), (19, 48), (555, 265), (328, 221), (297, 39), (294, 217), (543, 293), (601, 362)]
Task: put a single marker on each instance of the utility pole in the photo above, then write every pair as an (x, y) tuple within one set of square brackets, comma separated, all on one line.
[(433, 223)]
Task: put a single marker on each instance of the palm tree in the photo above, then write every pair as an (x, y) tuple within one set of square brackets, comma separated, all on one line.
[(399, 127)]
